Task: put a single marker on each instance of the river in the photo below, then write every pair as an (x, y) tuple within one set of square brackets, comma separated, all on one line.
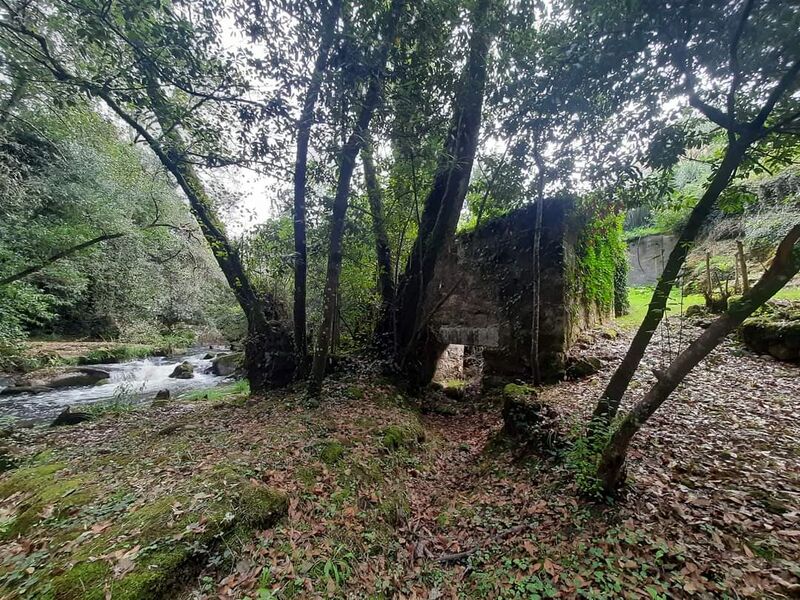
[(135, 381)]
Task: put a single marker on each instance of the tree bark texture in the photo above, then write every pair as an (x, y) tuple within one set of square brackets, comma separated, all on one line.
[(444, 201), (383, 253)]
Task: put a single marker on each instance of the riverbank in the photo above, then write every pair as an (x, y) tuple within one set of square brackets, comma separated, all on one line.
[(374, 494), (42, 394), (39, 354)]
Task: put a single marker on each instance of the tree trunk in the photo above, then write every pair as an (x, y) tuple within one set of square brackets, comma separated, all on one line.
[(445, 199), (347, 161), (743, 267), (269, 356), (609, 402), (268, 362), (304, 125), (786, 265), (383, 252)]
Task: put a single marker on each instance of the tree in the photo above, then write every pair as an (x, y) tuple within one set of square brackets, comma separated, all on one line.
[(162, 48), (444, 200), (784, 267), (347, 158), (753, 121), (304, 125), (383, 251)]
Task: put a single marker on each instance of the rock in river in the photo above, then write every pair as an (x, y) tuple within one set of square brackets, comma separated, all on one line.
[(24, 389), (185, 370), (61, 377), (227, 364)]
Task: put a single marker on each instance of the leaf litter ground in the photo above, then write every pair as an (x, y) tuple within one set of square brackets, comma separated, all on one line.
[(387, 501)]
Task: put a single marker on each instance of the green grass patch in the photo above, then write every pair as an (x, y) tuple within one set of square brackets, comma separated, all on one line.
[(639, 299), (221, 392)]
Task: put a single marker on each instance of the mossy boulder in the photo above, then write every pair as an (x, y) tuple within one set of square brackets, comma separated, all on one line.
[(583, 367), (123, 545), (227, 364), (518, 391), (530, 421), (407, 435), (695, 310), (775, 330), (185, 370)]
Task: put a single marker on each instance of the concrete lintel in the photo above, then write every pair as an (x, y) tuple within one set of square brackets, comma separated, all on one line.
[(488, 337)]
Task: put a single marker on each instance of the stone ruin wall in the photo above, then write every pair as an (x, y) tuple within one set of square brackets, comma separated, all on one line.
[(483, 291)]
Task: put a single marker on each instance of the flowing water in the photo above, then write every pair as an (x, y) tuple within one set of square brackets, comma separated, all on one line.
[(134, 381)]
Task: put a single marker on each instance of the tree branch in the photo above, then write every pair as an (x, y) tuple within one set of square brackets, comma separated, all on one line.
[(59, 255)]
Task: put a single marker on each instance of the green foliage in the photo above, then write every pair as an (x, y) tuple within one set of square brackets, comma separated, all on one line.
[(601, 262), (80, 178), (582, 458)]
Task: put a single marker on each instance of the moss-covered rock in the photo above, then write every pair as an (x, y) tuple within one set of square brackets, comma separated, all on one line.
[(515, 390), (228, 364), (528, 420), (583, 367), (403, 436), (775, 330), (185, 370), (331, 452), (123, 546)]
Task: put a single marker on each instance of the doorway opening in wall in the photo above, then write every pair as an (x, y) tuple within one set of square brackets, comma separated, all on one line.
[(459, 371)]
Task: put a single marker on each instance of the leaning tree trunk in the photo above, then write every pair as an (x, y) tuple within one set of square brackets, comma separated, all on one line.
[(269, 355), (18, 88), (383, 252), (266, 355), (304, 125), (786, 265), (444, 201), (609, 402), (347, 161)]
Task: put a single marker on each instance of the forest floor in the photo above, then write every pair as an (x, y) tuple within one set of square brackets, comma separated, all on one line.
[(367, 496)]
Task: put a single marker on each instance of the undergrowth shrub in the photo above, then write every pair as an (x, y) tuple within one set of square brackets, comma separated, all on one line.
[(582, 458)]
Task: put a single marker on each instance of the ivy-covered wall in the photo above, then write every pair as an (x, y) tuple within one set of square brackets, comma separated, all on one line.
[(484, 285), (599, 279)]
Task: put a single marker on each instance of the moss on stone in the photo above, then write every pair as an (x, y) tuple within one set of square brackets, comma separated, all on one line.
[(331, 453), (403, 436), (515, 390)]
